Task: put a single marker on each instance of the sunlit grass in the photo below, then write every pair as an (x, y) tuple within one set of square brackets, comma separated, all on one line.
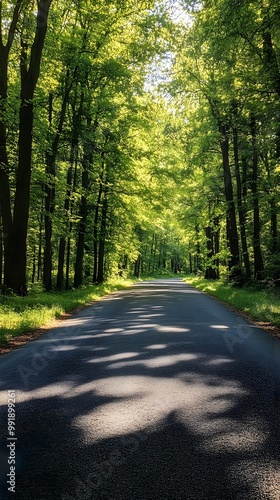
[(20, 315), (260, 305)]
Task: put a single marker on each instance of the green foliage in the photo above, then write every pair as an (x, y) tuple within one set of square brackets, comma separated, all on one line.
[(127, 166)]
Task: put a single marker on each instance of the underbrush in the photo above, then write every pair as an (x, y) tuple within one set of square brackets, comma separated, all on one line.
[(261, 305)]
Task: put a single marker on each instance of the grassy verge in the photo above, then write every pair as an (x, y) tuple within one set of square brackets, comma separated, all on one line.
[(19, 315), (263, 306)]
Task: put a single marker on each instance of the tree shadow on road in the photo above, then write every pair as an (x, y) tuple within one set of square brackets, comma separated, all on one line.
[(146, 406)]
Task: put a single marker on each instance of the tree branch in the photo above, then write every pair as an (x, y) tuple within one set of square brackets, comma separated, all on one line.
[(14, 22), (36, 50)]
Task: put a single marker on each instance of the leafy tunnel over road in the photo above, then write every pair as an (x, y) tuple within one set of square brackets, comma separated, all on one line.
[(156, 392)]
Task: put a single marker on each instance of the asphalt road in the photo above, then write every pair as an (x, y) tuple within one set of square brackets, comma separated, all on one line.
[(157, 392)]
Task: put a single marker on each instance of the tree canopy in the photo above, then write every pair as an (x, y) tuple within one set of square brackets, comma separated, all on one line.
[(138, 137)]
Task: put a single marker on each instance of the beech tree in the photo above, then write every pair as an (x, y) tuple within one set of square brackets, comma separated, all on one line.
[(15, 219)]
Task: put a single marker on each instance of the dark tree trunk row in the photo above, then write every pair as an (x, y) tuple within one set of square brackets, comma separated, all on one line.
[(87, 161), (234, 261), (15, 227), (50, 183), (241, 212), (77, 118), (102, 236), (258, 261), (212, 244), (95, 224)]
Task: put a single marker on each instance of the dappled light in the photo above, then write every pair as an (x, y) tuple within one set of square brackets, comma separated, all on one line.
[(157, 346), (219, 327), (159, 361), (165, 394), (140, 155), (115, 357)]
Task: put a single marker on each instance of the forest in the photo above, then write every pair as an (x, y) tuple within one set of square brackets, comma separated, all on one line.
[(137, 138)]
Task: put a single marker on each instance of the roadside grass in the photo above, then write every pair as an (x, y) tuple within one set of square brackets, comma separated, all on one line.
[(260, 305), (19, 315)]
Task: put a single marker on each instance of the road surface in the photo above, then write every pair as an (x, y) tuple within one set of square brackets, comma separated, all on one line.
[(157, 392)]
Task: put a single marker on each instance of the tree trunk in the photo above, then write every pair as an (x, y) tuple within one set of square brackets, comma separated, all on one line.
[(68, 251), (1, 256), (137, 266), (78, 278), (272, 67), (190, 263), (210, 272), (270, 61), (164, 256), (216, 243), (50, 183), (102, 237), (49, 208), (29, 78), (60, 267), (241, 213), (154, 253), (73, 152), (151, 254), (39, 255), (197, 266), (5, 194), (34, 265), (68, 255), (273, 226), (175, 263), (234, 262), (273, 208), (62, 240), (258, 261), (95, 225)]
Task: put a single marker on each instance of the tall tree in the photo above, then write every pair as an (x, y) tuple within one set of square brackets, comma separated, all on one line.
[(15, 227)]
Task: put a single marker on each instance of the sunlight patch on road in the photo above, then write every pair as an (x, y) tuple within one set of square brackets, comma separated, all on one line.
[(64, 348), (80, 337), (113, 330), (263, 480), (171, 329), (97, 349), (219, 361), (114, 357), (138, 403), (153, 315), (157, 346), (101, 335), (253, 436), (219, 327), (75, 321), (132, 331), (136, 311), (48, 391), (155, 362)]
